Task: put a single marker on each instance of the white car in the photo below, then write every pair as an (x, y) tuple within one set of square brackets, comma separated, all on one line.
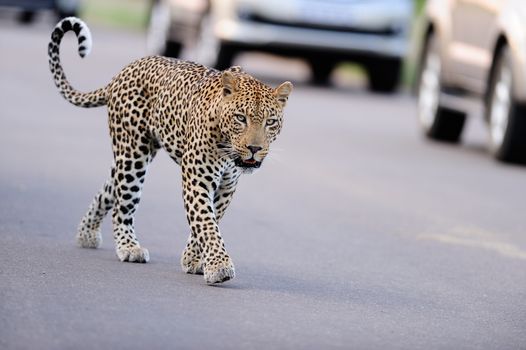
[(374, 33), (475, 50)]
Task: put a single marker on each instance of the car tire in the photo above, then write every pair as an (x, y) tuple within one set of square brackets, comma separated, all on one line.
[(383, 74), (321, 71), (172, 49), (64, 9), (26, 17), (225, 56), (64, 14), (158, 40), (506, 117), (438, 122)]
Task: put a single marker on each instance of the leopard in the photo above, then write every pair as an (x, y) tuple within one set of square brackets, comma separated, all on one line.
[(215, 124)]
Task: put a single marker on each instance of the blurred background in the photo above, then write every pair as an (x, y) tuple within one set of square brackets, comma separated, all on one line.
[(369, 39), (383, 44), (388, 215)]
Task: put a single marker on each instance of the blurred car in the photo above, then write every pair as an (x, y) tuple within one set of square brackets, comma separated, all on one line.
[(62, 8), (475, 49), (373, 33)]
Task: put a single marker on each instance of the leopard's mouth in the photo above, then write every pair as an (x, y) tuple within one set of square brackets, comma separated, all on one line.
[(247, 163)]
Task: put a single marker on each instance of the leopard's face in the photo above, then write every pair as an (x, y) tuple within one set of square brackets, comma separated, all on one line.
[(251, 118)]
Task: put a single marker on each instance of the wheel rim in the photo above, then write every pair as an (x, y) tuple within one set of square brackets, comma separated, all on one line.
[(500, 108), (207, 45), (429, 90), (158, 28)]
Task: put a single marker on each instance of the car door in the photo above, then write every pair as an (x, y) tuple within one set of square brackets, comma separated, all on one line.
[(471, 48)]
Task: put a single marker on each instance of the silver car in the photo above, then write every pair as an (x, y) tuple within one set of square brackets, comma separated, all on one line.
[(324, 32), (475, 49)]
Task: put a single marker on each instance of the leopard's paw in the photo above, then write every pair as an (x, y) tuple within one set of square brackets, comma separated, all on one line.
[(219, 270), (192, 265), (133, 254), (89, 238)]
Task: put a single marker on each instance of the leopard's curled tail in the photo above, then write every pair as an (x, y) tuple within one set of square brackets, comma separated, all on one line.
[(89, 99)]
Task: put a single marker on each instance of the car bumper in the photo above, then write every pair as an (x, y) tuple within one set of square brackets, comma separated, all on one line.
[(250, 34)]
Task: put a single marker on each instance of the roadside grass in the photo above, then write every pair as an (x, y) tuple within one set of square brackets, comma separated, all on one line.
[(127, 14), (419, 5)]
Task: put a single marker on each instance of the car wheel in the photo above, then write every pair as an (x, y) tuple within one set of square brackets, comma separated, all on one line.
[(225, 56), (26, 17), (63, 14), (506, 117), (321, 71), (383, 74), (158, 33), (438, 122), (69, 8)]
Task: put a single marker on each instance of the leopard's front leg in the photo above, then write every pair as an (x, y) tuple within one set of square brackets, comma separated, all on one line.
[(199, 193), (192, 257)]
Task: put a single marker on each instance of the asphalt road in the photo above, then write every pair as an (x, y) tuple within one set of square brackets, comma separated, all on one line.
[(356, 234)]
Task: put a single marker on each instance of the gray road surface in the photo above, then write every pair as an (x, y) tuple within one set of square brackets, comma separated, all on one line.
[(356, 234)]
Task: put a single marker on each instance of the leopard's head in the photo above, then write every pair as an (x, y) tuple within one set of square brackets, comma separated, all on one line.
[(251, 117)]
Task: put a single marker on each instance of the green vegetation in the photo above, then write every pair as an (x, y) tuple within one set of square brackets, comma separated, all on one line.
[(419, 5), (131, 14)]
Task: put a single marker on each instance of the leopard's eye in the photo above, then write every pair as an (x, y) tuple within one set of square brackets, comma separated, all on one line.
[(271, 122), (240, 118)]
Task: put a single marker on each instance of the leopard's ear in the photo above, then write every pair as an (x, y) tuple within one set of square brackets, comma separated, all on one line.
[(282, 92), (235, 69), (229, 81)]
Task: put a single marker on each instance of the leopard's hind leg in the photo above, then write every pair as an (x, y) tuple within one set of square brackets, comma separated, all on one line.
[(129, 178), (88, 233)]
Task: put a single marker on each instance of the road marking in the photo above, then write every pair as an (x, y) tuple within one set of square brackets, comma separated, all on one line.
[(477, 238)]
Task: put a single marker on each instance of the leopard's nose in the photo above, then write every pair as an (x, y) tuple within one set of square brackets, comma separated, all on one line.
[(254, 149)]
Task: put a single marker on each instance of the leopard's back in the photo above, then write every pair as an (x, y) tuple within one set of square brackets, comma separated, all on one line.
[(157, 93)]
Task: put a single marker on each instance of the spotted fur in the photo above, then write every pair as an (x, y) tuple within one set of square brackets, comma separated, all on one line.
[(215, 124)]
